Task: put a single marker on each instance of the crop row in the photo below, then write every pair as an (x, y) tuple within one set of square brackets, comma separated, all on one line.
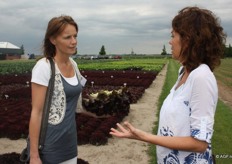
[(15, 103), (149, 64)]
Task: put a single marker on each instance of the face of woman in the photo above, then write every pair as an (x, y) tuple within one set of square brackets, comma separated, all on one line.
[(175, 43), (66, 42)]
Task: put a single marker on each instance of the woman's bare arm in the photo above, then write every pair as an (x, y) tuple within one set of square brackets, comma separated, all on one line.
[(38, 97), (178, 143)]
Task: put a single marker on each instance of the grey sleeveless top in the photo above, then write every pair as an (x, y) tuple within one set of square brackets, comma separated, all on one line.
[(61, 139)]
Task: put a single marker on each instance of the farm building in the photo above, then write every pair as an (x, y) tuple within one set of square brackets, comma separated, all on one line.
[(9, 51)]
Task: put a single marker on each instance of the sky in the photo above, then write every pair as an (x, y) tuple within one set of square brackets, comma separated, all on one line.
[(122, 26)]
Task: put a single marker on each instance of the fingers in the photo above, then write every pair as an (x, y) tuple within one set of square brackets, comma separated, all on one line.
[(122, 128), (123, 132), (128, 125), (116, 133), (126, 131)]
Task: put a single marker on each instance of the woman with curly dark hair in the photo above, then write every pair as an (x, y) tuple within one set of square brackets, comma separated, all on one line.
[(187, 114)]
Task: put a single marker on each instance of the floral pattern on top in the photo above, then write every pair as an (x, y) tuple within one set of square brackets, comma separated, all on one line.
[(192, 158), (166, 132), (196, 158), (58, 107), (172, 158)]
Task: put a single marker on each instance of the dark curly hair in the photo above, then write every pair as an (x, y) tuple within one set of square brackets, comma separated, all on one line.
[(55, 26), (202, 37)]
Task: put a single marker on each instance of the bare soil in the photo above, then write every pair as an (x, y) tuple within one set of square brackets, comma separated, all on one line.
[(225, 94), (124, 151)]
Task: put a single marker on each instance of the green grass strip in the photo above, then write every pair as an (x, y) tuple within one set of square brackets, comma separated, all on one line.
[(222, 137), (170, 79)]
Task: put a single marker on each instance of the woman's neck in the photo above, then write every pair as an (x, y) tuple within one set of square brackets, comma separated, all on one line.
[(62, 60)]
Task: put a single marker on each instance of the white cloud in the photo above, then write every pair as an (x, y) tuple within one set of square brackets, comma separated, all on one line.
[(120, 25)]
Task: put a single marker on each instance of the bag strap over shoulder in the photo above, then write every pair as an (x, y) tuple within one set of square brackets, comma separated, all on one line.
[(47, 105)]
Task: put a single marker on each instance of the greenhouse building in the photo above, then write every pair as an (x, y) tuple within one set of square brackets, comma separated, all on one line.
[(9, 51)]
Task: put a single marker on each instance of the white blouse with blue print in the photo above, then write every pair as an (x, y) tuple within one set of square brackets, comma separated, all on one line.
[(189, 111)]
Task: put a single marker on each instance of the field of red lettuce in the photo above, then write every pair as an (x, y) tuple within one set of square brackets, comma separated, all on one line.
[(115, 91), (15, 103)]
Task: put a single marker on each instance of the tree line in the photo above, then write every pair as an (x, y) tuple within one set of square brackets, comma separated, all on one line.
[(228, 51)]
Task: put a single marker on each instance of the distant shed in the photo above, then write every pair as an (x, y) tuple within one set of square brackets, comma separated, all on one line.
[(8, 51)]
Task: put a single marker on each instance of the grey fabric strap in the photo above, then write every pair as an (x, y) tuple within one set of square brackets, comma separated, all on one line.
[(47, 104)]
